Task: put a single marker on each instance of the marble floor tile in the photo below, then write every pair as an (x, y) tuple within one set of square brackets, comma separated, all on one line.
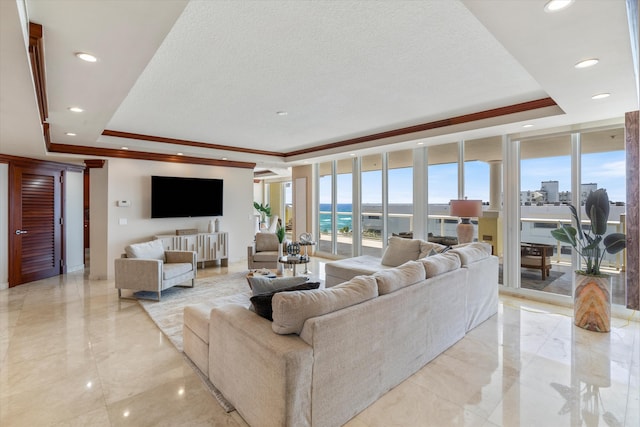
[(74, 354)]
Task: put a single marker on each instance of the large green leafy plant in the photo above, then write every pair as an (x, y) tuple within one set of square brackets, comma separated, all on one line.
[(592, 244), (264, 210)]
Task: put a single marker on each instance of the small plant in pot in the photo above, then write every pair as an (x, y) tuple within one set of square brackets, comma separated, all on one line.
[(592, 297), (264, 210)]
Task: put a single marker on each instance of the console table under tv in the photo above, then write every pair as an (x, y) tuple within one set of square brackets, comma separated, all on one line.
[(207, 246)]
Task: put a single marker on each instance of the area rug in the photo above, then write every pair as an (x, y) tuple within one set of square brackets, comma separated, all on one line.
[(167, 313)]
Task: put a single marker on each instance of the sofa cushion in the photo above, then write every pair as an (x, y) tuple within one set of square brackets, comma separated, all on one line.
[(147, 250), (267, 242), (264, 285), (169, 271), (472, 252), (265, 256), (426, 248), (392, 279), (262, 303), (400, 250), (440, 263), (292, 309), (348, 268)]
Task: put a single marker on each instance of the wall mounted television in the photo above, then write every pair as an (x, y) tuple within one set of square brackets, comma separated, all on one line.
[(174, 197)]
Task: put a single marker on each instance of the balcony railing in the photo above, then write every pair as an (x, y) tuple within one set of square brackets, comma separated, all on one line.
[(445, 225)]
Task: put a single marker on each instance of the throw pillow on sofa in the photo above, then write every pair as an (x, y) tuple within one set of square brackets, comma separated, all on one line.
[(392, 279), (292, 309), (264, 285), (441, 263), (400, 250), (426, 248), (262, 303)]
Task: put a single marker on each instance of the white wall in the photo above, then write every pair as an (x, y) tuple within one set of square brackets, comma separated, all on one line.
[(74, 225), (4, 226), (113, 227)]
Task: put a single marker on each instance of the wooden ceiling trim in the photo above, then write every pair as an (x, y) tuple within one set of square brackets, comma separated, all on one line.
[(29, 162), (188, 143), (36, 56), (94, 163), (467, 118), (141, 155)]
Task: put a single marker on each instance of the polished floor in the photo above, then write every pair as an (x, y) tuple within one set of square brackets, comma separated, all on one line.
[(73, 354)]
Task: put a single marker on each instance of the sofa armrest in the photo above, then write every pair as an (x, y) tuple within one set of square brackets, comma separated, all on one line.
[(266, 376), (138, 274), (181, 256)]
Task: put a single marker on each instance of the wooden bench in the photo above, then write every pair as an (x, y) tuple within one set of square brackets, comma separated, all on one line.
[(537, 256)]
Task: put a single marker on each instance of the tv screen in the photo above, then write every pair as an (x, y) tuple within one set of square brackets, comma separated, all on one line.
[(173, 197)]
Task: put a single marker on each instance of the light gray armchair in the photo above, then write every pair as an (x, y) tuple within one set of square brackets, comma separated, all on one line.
[(148, 267), (264, 251)]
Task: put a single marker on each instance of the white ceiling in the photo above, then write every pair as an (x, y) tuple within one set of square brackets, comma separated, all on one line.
[(217, 72)]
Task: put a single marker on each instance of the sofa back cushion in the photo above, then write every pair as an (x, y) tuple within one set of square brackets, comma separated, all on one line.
[(472, 252), (400, 250), (392, 279), (430, 248), (266, 242), (292, 309), (147, 250), (438, 264)]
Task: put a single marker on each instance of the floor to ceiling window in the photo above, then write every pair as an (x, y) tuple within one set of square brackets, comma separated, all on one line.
[(371, 167), (603, 166), (325, 207), (545, 189), (344, 208), (400, 179), (443, 187)]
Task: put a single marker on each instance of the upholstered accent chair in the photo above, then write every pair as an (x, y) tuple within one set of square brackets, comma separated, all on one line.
[(264, 251), (148, 267)]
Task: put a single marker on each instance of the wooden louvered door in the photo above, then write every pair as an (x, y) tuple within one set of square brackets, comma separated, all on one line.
[(35, 230)]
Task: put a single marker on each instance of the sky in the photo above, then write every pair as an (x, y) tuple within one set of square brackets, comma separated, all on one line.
[(606, 169)]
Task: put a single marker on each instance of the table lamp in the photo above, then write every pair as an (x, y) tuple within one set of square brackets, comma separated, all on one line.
[(465, 210)]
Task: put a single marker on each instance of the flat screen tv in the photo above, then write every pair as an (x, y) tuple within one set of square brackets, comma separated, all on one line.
[(173, 197)]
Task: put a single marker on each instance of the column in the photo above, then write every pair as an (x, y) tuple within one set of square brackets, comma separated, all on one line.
[(495, 184)]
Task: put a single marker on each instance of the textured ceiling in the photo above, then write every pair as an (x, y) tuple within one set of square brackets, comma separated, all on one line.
[(217, 72)]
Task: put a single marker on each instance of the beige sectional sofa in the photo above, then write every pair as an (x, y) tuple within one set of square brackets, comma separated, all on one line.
[(329, 353)]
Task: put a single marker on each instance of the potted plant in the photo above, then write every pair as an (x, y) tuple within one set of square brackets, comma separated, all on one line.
[(592, 296), (263, 210), (280, 232)]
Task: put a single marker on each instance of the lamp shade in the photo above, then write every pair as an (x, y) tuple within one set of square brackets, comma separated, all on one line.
[(466, 208)]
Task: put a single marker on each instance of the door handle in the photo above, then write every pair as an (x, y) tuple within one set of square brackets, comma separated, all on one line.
[(21, 232)]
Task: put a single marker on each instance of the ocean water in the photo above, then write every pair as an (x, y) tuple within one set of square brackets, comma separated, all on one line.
[(343, 217)]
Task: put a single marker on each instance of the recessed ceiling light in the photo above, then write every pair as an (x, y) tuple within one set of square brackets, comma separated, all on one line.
[(556, 5), (86, 57), (180, 154), (587, 63), (352, 154), (124, 148), (420, 143), (527, 126), (224, 158), (601, 96), (281, 113), (70, 134), (76, 109)]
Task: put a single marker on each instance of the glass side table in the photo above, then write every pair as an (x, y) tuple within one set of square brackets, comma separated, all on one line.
[(306, 245)]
